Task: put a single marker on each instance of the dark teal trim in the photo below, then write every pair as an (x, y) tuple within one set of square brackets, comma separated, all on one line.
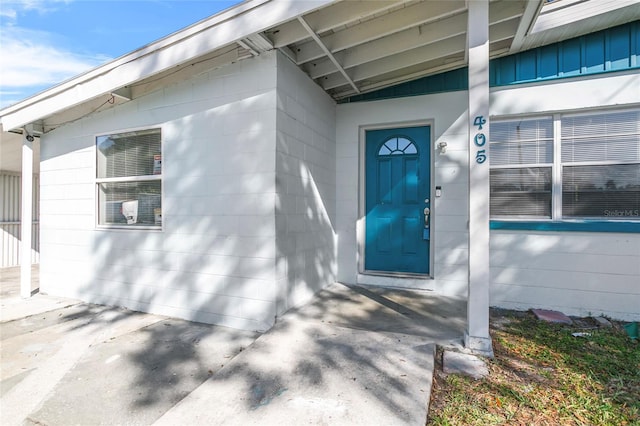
[(575, 226), (450, 81), (611, 50)]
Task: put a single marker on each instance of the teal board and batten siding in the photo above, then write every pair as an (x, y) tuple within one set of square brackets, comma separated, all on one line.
[(610, 50), (614, 49)]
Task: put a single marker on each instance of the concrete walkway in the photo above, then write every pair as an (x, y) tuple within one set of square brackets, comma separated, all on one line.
[(353, 356)]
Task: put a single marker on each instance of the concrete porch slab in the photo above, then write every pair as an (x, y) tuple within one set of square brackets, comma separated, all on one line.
[(353, 355), (308, 373)]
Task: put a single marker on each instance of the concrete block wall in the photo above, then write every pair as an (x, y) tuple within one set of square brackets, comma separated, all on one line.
[(305, 186), (214, 259), (577, 273)]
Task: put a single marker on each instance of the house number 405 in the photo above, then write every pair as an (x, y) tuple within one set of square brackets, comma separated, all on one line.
[(480, 140)]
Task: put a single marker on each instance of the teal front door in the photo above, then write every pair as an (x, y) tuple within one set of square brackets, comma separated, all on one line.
[(397, 200)]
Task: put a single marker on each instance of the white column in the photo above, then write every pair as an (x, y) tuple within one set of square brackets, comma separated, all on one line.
[(26, 218), (477, 336)]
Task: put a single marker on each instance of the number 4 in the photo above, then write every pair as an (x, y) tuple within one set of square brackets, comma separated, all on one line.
[(479, 121)]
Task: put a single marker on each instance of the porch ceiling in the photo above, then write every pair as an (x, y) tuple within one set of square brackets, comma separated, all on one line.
[(349, 47), (352, 47)]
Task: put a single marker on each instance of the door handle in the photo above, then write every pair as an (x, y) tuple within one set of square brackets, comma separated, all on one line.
[(426, 217)]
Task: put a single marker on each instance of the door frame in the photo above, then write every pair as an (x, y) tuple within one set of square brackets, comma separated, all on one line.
[(400, 279)]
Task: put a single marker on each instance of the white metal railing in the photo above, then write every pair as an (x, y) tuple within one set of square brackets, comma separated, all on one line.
[(10, 243), (10, 224)]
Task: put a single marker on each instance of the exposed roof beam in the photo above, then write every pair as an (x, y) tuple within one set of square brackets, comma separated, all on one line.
[(396, 43), (322, 20), (400, 60), (416, 15), (326, 52), (505, 10), (381, 26), (531, 12), (256, 44), (431, 51), (123, 93), (288, 53)]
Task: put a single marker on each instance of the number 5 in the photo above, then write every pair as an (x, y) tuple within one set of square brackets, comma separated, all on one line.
[(481, 157)]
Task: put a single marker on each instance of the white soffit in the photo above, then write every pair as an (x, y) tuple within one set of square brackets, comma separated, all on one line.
[(566, 19)]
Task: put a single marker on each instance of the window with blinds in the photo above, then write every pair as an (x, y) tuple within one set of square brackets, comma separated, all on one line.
[(601, 165), (595, 175), (129, 178), (521, 165)]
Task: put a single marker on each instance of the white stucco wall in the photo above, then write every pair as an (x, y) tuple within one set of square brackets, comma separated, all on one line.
[(305, 187), (214, 260), (577, 273)]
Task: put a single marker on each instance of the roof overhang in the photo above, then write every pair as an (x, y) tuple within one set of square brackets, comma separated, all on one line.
[(346, 47), (223, 38)]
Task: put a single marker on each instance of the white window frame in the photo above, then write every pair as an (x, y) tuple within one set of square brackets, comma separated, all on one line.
[(557, 169), (145, 178), (528, 165)]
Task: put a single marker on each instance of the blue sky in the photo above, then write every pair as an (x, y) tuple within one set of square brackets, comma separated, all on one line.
[(44, 42)]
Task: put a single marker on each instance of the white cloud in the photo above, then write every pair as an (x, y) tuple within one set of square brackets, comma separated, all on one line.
[(28, 58), (33, 60), (42, 6), (10, 14)]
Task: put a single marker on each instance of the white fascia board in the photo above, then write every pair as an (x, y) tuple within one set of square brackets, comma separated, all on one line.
[(222, 29)]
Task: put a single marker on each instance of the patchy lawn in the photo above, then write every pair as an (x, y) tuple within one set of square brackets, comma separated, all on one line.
[(543, 375)]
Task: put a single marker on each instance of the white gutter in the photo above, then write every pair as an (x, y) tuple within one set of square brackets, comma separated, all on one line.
[(227, 27)]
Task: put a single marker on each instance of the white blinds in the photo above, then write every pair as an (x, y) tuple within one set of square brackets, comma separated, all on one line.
[(128, 154), (597, 175), (601, 137), (526, 141), (607, 182), (524, 191), (129, 178)]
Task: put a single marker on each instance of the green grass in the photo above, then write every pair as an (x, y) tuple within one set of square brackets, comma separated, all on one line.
[(541, 374)]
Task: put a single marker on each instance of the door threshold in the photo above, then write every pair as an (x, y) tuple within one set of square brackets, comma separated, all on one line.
[(396, 274), (415, 282)]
